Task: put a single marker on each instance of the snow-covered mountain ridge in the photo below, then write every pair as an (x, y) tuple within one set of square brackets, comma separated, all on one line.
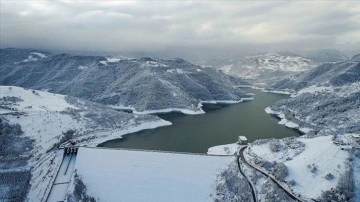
[(328, 74), (146, 84), (326, 97)]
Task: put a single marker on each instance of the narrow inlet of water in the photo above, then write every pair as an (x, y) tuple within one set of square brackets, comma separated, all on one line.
[(221, 124)]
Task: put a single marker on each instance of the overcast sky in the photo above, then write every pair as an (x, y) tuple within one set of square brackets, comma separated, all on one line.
[(172, 25)]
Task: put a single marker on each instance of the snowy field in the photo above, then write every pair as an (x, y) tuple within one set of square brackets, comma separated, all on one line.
[(148, 176), (34, 100), (308, 166), (326, 156)]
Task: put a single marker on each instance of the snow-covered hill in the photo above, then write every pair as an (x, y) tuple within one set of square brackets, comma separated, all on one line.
[(315, 168), (34, 123), (145, 85), (328, 74), (325, 105), (325, 98), (264, 68)]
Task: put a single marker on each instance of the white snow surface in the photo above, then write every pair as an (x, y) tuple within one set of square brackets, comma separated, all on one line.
[(116, 58), (39, 101), (288, 123), (39, 54), (177, 70), (106, 135), (148, 176), (313, 89), (113, 59), (83, 67), (34, 56), (284, 121), (184, 111), (326, 156), (226, 150), (199, 110), (225, 101), (277, 92), (276, 113), (154, 64)]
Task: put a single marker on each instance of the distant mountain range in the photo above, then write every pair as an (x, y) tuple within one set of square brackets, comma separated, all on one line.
[(144, 85), (269, 68), (264, 68), (327, 74)]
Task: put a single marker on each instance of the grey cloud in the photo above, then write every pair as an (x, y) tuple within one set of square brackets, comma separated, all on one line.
[(183, 27)]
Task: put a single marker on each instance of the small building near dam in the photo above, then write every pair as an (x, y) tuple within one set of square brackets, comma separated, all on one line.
[(242, 140)]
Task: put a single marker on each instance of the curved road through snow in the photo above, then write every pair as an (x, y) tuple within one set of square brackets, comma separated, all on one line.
[(290, 194), (251, 186)]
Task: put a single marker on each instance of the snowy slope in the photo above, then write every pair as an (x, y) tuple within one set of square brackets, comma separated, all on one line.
[(326, 156), (147, 85), (308, 162), (48, 120), (327, 99), (148, 176), (46, 116), (38, 100)]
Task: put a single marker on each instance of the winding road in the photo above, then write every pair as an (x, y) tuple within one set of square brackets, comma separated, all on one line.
[(252, 188), (290, 194)]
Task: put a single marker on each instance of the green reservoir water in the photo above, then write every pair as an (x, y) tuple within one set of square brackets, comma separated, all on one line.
[(221, 124)]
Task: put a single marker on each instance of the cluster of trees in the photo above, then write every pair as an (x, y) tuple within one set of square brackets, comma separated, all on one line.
[(68, 135), (271, 192), (275, 146), (12, 99), (312, 168), (323, 109), (79, 192), (14, 185), (277, 169), (13, 145), (231, 185)]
